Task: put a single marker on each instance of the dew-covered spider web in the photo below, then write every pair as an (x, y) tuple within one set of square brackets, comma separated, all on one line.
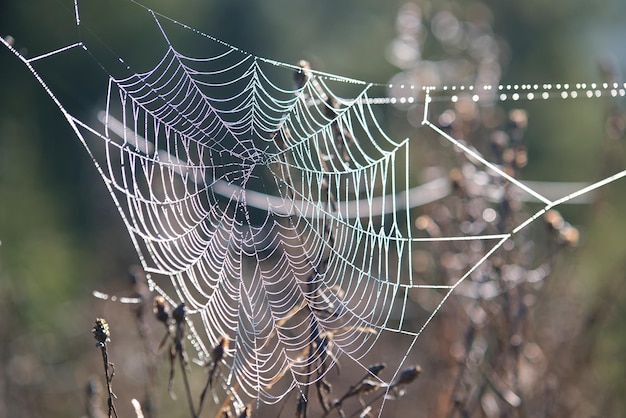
[(272, 200)]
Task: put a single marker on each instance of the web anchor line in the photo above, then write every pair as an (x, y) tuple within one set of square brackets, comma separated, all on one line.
[(477, 156), (57, 51)]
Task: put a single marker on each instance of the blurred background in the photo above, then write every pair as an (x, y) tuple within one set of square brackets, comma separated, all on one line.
[(61, 236)]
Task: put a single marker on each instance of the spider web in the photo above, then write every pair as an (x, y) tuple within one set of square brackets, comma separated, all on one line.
[(269, 198)]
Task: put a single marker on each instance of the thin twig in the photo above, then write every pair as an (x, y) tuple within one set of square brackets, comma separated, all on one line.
[(179, 315), (137, 408), (102, 334)]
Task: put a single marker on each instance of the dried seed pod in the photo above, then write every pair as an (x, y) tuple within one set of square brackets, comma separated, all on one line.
[(376, 368), (367, 386), (554, 220), (179, 313), (408, 375), (218, 351), (161, 309), (101, 331), (428, 224), (457, 180), (518, 122)]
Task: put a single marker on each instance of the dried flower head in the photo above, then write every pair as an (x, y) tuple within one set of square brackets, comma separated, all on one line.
[(554, 220), (218, 351), (408, 375), (179, 313), (161, 309), (376, 368), (101, 331), (368, 386)]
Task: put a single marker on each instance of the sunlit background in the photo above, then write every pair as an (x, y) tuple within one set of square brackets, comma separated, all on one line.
[(61, 236)]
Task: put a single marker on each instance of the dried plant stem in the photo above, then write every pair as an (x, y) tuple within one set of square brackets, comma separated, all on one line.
[(203, 395), (109, 379), (137, 408), (229, 398), (183, 367), (102, 334)]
